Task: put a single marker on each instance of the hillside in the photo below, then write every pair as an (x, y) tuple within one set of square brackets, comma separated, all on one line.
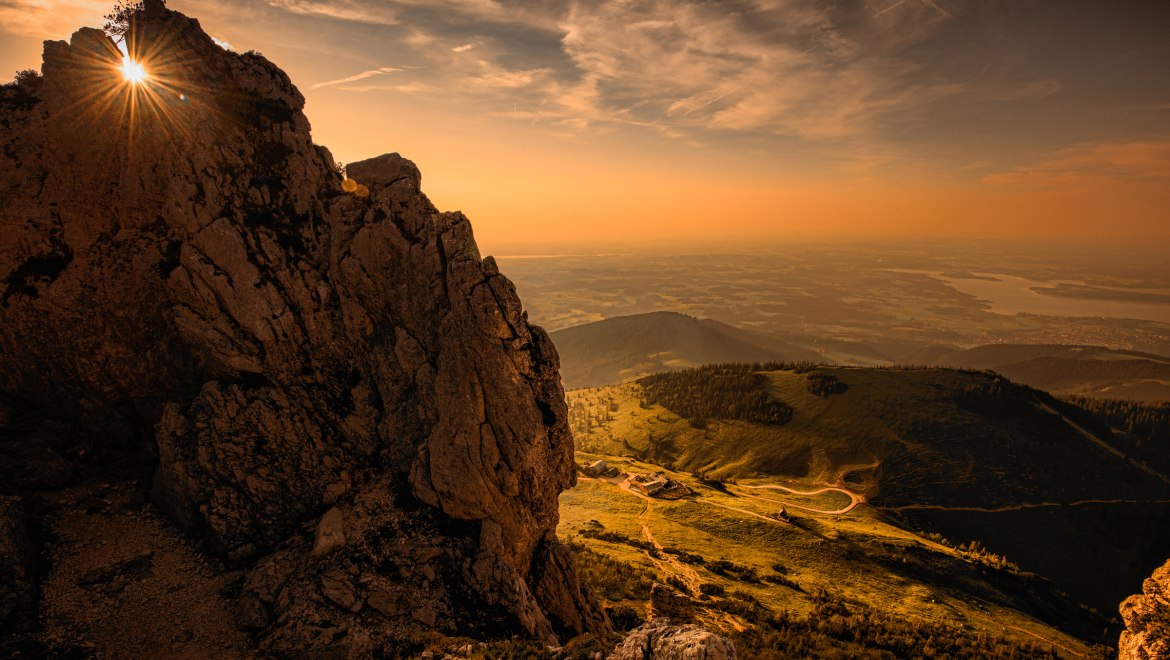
[(1084, 370), (622, 348), (834, 578), (968, 455)]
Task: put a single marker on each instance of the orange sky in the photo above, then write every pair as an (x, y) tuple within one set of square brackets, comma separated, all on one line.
[(558, 121)]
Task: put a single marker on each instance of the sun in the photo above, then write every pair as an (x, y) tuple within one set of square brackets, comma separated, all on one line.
[(133, 71)]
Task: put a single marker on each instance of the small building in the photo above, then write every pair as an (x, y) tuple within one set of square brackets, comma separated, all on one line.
[(651, 488), (658, 485), (673, 491), (596, 469)]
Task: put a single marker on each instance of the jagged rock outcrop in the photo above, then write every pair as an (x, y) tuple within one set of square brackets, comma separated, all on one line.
[(659, 638), (340, 393), (1147, 620)]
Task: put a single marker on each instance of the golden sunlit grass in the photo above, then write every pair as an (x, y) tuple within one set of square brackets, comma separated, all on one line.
[(848, 555)]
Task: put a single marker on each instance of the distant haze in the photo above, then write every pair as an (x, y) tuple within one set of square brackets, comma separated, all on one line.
[(557, 121)]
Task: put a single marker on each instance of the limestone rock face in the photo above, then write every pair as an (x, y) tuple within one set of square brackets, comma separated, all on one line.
[(183, 272), (1147, 619), (658, 638)]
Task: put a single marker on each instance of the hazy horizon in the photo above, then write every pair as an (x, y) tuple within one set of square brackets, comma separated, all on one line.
[(1122, 249)]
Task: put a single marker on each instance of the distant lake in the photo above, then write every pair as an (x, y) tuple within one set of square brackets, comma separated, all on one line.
[(1009, 294)]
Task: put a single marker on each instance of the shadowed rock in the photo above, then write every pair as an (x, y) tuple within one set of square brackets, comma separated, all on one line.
[(17, 585), (185, 274)]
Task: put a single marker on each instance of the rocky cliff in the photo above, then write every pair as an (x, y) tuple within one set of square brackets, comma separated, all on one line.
[(336, 392), (1147, 620)]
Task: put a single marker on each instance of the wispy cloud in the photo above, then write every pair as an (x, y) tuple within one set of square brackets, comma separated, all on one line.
[(1132, 161), (46, 19), (347, 10), (872, 76), (786, 68), (493, 76), (358, 76), (803, 69), (405, 88), (1032, 90)]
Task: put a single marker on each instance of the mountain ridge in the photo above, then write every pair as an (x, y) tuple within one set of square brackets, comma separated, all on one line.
[(621, 348), (1064, 369)]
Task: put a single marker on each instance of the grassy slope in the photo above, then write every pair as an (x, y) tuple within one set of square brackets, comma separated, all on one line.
[(908, 438), (858, 557)]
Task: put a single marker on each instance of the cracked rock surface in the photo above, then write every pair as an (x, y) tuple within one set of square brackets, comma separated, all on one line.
[(1147, 619), (660, 638), (339, 396)]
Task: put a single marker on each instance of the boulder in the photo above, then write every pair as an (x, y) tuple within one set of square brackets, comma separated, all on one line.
[(662, 640)]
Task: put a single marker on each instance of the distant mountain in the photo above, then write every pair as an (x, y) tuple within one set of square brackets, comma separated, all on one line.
[(968, 455), (622, 348), (1086, 370)]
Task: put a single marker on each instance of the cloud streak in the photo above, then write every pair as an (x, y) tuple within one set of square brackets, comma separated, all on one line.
[(784, 68), (45, 19), (345, 10), (358, 76), (1147, 161)]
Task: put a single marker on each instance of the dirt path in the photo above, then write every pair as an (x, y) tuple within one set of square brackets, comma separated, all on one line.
[(1106, 446), (988, 606), (1045, 640), (688, 575), (744, 511)]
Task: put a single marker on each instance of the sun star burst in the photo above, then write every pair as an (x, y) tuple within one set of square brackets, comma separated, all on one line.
[(133, 71)]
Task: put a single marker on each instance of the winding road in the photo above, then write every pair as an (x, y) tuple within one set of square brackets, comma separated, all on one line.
[(854, 498), (671, 564)]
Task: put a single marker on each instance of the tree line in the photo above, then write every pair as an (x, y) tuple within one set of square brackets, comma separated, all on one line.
[(719, 391)]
